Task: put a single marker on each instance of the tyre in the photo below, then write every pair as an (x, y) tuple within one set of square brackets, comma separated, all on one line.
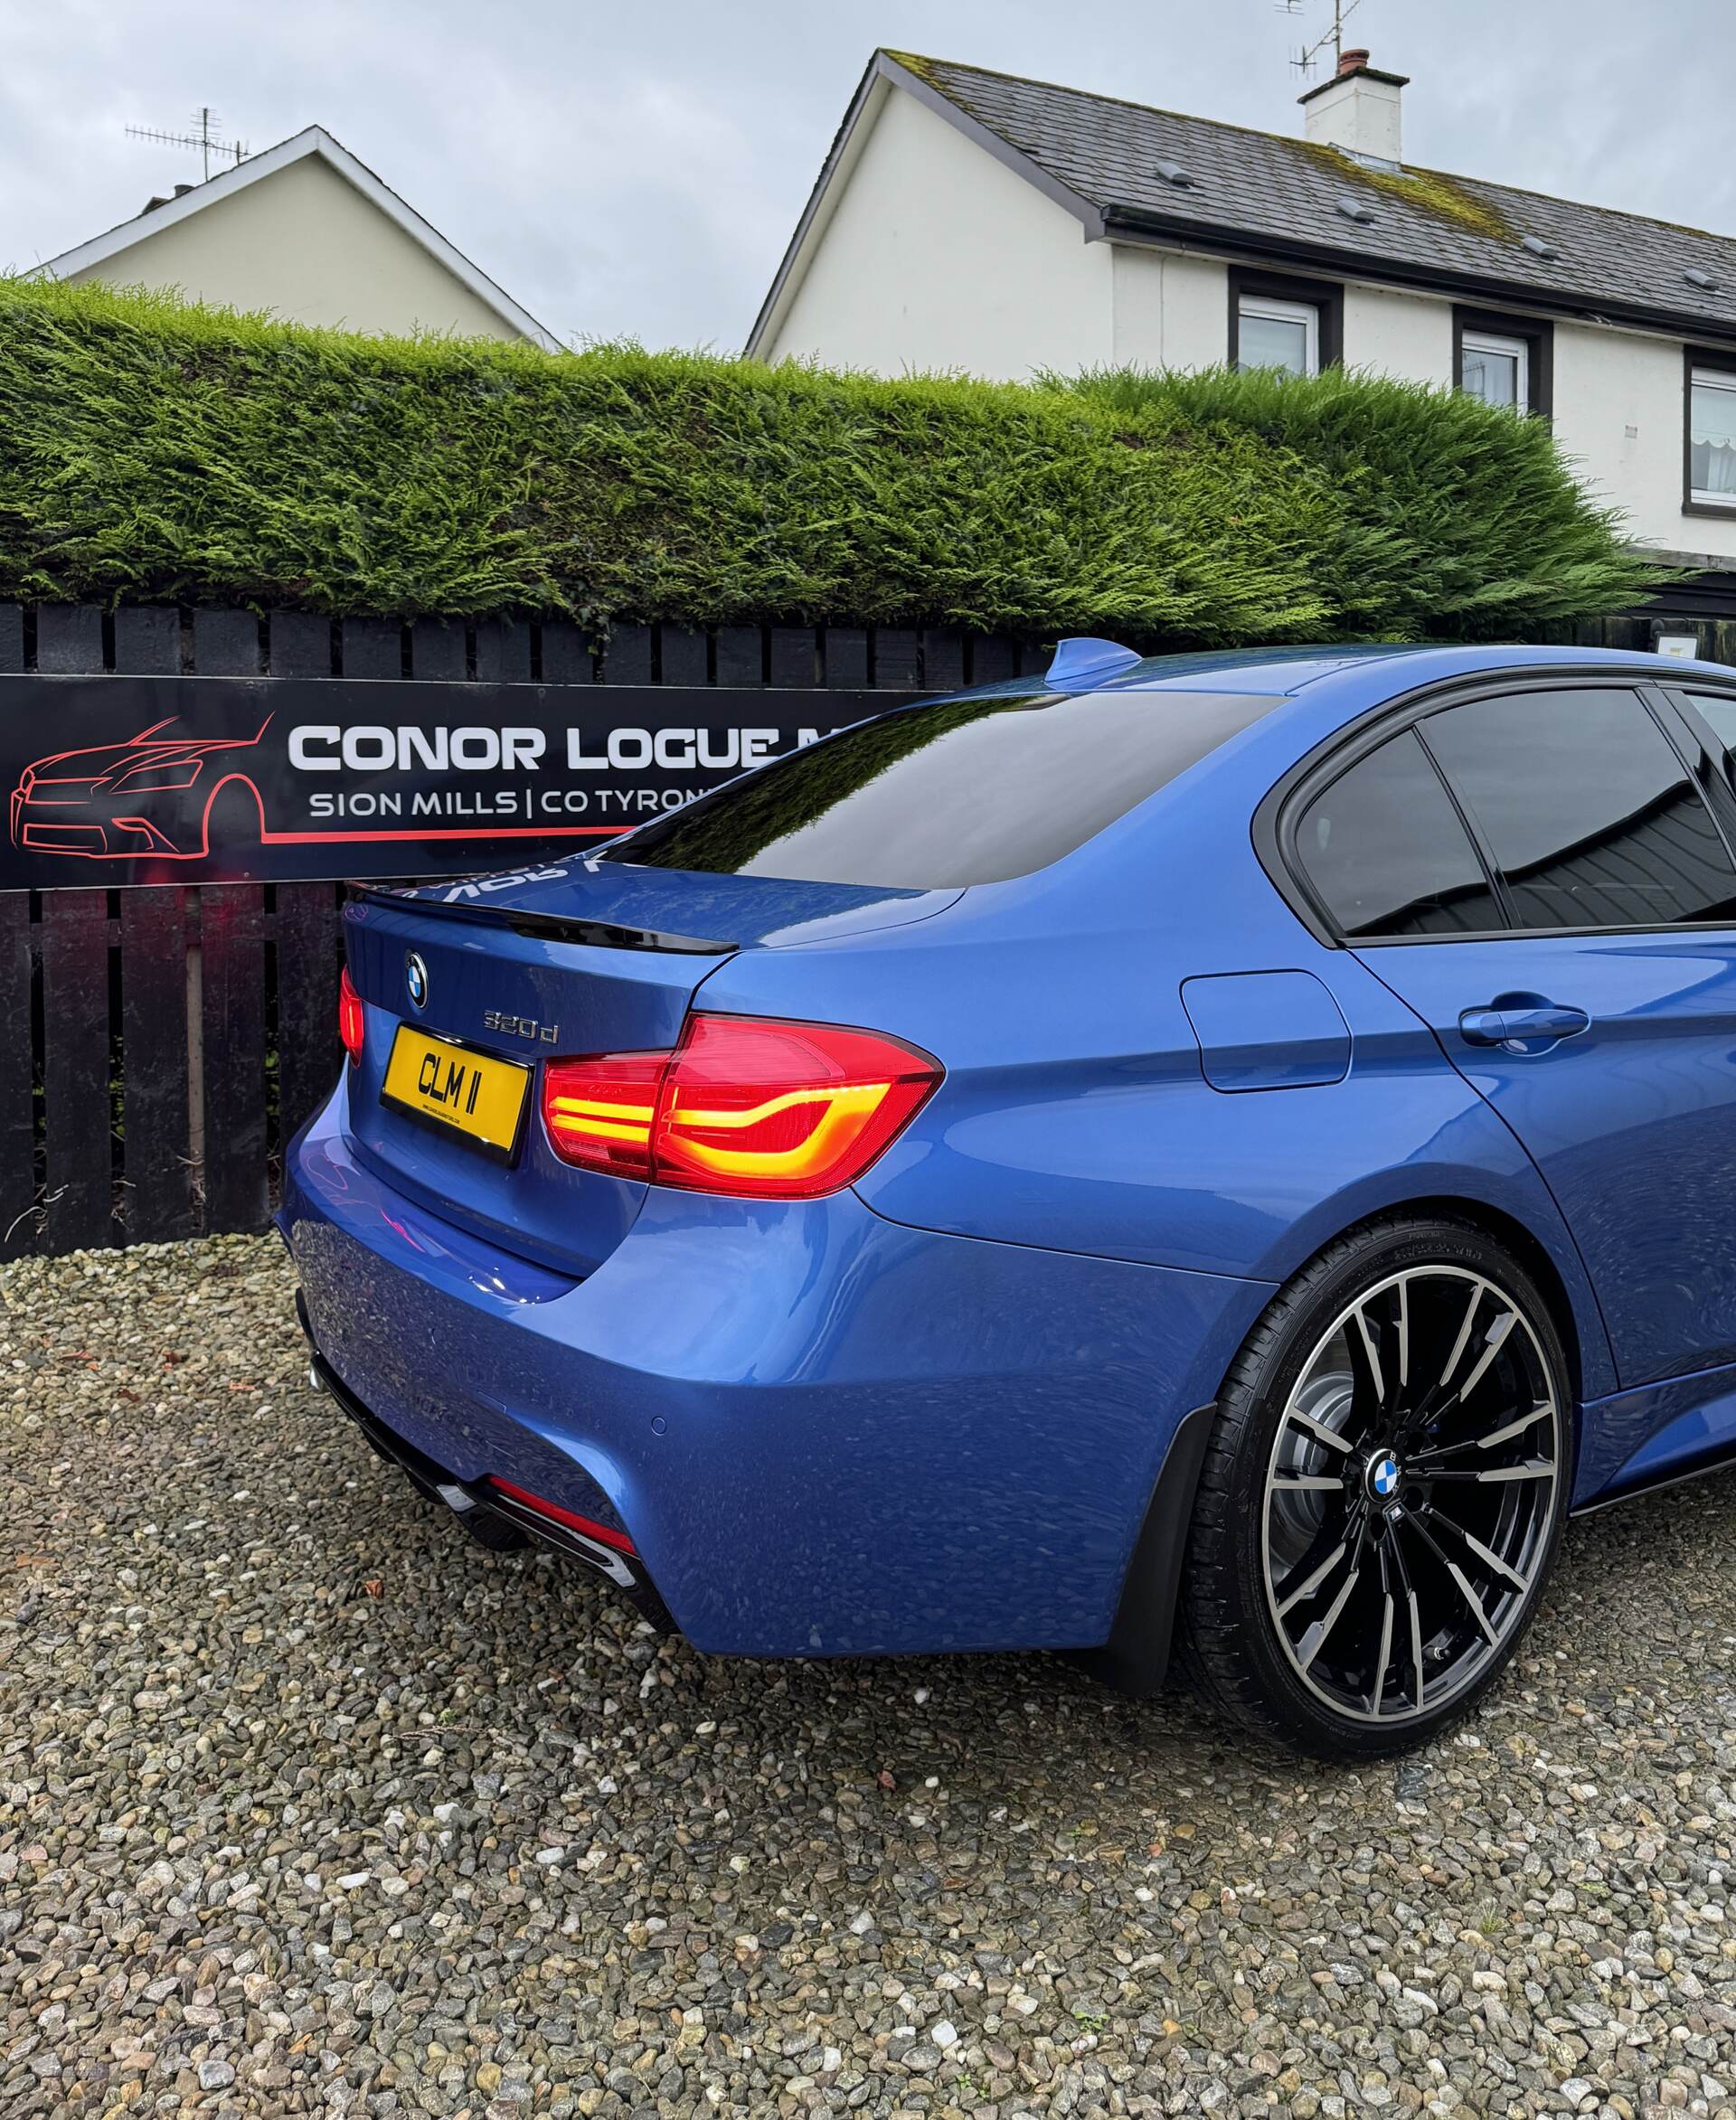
[(1383, 1494)]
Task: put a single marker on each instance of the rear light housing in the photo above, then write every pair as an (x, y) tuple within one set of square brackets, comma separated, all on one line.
[(600, 1112), (745, 1105), (785, 1111), (352, 1019)]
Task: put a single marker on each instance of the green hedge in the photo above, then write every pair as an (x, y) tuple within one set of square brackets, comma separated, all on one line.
[(152, 451)]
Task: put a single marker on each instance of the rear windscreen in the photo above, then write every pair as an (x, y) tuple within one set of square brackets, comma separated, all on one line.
[(949, 793)]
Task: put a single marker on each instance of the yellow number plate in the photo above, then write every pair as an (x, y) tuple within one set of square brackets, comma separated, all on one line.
[(472, 1093)]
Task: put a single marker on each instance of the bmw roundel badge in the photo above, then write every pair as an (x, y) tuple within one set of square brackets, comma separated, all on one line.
[(415, 980), (1383, 1475)]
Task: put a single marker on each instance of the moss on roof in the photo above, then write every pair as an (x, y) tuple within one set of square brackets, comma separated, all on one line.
[(1424, 191), (914, 62)]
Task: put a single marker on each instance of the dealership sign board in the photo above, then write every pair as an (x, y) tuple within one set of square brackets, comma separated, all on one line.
[(118, 779)]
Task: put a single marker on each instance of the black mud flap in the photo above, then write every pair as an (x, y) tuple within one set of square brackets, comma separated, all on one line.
[(1136, 1658)]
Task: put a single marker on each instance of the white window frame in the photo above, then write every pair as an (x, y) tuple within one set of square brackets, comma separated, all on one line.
[(1716, 379), (1273, 309), (1490, 342)]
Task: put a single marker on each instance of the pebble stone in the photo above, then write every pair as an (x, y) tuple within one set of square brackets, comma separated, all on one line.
[(310, 1806)]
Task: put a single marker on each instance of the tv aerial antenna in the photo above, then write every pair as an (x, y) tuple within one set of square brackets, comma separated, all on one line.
[(1306, 57), (204, 137)]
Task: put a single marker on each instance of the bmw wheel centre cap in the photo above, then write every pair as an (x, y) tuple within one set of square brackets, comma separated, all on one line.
[(1383, 1476), (415, 980)]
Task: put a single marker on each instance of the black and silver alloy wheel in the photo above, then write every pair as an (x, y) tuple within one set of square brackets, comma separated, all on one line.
[(1383, 1492), (1410, 1494)]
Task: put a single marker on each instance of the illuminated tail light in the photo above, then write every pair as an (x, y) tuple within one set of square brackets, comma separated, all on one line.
[(744, 1105), (782, 1110), (600, 1112), (352, 1020)]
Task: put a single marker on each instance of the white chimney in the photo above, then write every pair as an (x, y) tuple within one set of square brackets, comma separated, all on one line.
[(1357, 109)]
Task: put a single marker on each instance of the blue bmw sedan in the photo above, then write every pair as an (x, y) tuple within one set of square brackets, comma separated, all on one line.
[(1225, 1151)]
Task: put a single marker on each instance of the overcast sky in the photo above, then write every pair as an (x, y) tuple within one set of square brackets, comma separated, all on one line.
[(637, 169)]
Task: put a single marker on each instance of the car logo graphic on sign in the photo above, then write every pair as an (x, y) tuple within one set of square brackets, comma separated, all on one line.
[(415, 980)]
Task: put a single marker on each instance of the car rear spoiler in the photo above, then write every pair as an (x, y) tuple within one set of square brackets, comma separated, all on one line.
[(547, 927)]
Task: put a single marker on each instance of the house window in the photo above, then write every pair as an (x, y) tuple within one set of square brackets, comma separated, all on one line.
[(1294, 326), (1496, 370), (1711, 436), (1273, 334), (1503, 361)]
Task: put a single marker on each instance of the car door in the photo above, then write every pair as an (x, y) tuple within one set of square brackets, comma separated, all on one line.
[(1583, 979)]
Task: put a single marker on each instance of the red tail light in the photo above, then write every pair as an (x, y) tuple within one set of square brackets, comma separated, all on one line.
[(744, 1105), (784, 1110), (352, 1020), (599, 1112)]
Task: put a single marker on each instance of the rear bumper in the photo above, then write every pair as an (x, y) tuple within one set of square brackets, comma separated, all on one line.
[(825, 1433), (492, 1516)]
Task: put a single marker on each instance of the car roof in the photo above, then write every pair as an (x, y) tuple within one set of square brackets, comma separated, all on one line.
[(1291, 669), (1279, 672)]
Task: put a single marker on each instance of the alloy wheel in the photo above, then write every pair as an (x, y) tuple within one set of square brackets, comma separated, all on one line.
[(1410, 1494)]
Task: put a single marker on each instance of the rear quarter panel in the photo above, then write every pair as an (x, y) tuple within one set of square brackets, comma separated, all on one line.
[(1076, 1113)]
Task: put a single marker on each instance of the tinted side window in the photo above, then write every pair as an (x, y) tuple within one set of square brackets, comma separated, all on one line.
[(1588, 812), (1718, 711), (1386, 850)]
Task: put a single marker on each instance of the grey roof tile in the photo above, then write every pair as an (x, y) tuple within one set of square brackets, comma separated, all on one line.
[(1279, 191)]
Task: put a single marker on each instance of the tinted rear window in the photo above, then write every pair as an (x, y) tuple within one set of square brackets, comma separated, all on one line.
[(945, 793)]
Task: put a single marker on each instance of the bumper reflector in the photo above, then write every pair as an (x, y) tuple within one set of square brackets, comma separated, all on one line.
[(606, 1534)]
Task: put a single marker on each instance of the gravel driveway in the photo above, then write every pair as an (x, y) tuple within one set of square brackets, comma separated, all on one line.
[(308, 1805)]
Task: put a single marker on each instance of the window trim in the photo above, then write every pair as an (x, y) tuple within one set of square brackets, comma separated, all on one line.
[(1271, 309), (1722, 365), (1517, 351), (1276, 818), (1713, 762), (1326, 297), (1536, 333)]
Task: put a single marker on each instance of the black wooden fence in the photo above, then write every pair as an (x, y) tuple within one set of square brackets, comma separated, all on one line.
[(158, 1046)]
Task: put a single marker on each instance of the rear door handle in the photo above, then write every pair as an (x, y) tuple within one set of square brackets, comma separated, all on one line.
[(1522, 1024)]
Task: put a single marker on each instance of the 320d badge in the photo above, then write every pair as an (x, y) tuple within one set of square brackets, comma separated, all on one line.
[(1240, 1142), (511, 1026)]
